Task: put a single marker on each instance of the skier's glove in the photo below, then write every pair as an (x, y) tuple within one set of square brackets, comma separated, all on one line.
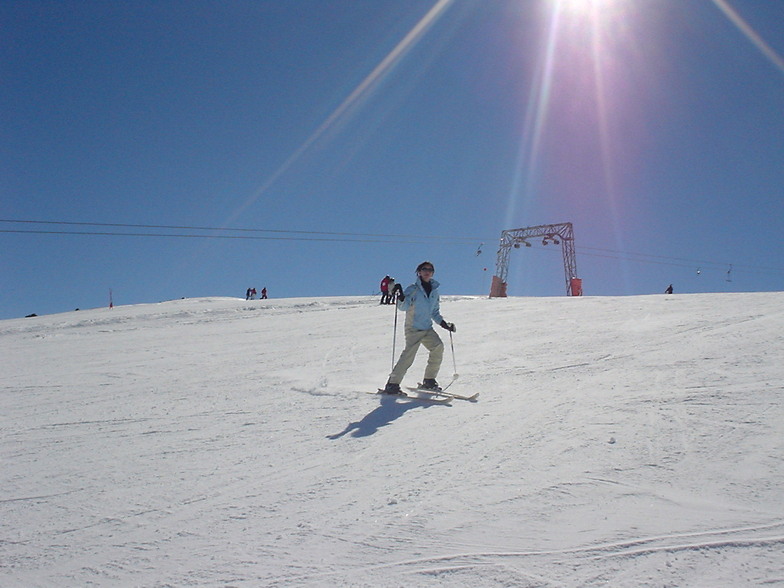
[(449, 326)]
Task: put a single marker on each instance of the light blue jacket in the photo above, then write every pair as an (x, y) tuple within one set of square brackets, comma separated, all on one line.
[(420, 308)]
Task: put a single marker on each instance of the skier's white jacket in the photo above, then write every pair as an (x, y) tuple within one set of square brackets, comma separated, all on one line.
[(421, 308)]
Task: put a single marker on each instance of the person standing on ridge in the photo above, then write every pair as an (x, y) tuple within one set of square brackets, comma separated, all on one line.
[(391, 287), (421, 301), (384, 290)]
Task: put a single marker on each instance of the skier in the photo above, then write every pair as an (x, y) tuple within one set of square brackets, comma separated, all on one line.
[(264, 293), (668, 290), (384, 290), (421, 303), (391, 287)]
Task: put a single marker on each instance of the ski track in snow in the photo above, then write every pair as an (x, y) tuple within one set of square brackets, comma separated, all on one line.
[(219, 442), (446, 564)]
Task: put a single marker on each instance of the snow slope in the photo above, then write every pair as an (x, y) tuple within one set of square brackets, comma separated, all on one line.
[(219, 442)]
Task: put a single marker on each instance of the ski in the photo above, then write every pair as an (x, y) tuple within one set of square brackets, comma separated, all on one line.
[(417, 396), (444, 394)]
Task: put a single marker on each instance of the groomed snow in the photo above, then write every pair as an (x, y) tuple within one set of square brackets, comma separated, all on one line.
[(619, 441)]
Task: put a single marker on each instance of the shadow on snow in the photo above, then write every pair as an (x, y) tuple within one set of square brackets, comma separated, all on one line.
[(391, 408)]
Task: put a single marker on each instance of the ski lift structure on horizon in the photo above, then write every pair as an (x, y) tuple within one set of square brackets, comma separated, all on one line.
[(558, 234)]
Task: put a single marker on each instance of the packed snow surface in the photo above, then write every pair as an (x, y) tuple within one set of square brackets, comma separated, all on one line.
[(619, 441)]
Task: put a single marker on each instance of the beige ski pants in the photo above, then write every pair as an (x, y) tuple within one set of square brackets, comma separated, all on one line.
[(415, 338)]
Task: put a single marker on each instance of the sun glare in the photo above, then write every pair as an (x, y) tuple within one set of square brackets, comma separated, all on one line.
[(578, 7), (580, 93), (750, 34), (352, 101)]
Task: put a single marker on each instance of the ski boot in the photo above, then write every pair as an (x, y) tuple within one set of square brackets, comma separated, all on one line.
[(430, 385), (391, 388)]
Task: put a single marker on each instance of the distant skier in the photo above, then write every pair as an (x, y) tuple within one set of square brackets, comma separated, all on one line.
[(247, 294), (668, 290), (421, 301), (391, 287), (264, 293), (384, 290)]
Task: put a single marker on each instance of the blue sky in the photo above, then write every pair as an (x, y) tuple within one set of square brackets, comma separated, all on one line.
[(351, 139)]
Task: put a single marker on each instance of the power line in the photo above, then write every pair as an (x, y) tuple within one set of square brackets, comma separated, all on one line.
[(347, 237), (691, 261), (634, 257), (217, 236), (683, 262), (331, 236)]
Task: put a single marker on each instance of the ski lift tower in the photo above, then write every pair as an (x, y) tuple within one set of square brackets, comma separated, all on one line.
[(559, 234)]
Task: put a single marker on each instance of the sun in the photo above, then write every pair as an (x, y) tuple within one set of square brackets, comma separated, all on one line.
[(584, 7), (574, 5)]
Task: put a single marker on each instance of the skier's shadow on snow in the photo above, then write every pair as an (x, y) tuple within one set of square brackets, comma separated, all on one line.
[(391, 408)]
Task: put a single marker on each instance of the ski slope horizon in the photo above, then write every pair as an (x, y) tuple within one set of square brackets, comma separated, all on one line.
[(625, 441), (314, 149)]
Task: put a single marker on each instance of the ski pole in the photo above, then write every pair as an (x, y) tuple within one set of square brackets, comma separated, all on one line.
[(394, 337), (454, 363)]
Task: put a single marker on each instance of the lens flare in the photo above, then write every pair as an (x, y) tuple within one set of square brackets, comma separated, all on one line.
[(750, 34), (579, 93), (352, 100)]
